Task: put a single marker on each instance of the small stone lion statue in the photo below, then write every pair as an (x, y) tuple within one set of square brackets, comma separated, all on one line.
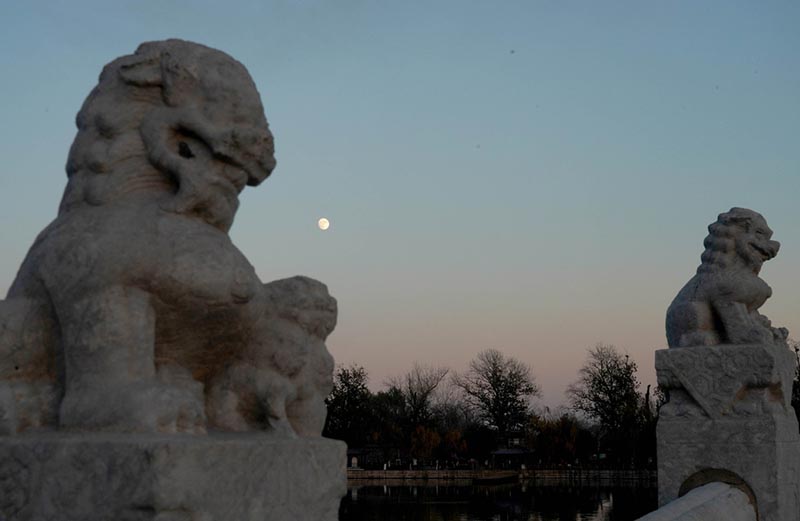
[(719, 305), (288, 369), (133, 310)]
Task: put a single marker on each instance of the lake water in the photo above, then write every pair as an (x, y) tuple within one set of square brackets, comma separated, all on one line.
[(496, 503)]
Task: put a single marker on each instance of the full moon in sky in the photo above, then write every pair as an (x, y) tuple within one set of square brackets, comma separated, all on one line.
[(323, 224)]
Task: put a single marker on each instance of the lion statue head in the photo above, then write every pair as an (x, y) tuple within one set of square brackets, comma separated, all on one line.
[(719, 305), (739, 239), (158, 123)]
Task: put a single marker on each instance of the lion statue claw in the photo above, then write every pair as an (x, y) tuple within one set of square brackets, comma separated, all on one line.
[(133, 311), (719, 305)]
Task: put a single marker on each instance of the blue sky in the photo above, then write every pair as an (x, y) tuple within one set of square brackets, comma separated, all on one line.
[(529, 176)]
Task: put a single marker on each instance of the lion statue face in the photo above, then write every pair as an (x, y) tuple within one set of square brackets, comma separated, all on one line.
[(178, 120), (739, 238)]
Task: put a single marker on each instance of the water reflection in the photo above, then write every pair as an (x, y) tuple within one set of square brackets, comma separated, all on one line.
[(463, 502)]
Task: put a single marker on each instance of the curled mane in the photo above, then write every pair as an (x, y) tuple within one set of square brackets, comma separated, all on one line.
[(720, 244), (141, 100)]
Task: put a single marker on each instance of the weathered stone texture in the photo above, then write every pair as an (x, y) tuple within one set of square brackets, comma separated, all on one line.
[(729, 410), (127, 477), (711, 502), (730, 381), (135, 323), (728, 378), (133, 311), (719, 305)]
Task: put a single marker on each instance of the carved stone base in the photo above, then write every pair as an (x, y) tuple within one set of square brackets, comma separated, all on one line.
[(131, 477), (729, 419)]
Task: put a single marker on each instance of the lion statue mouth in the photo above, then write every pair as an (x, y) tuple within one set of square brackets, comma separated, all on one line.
[(766, 253)]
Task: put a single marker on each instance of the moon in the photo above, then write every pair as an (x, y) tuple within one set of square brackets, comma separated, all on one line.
[(323, 224)]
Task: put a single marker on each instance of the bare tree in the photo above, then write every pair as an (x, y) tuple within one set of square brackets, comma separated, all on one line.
[(499, 388), (418, 387), (607, 391)]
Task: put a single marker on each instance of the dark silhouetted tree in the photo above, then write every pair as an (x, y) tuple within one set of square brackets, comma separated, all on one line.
[(499, 388), (423, 442), (451, 419), (559, 440), (645, 455), (349, 407), (607, 391), (794, 345), (388, 427), (418, 388)]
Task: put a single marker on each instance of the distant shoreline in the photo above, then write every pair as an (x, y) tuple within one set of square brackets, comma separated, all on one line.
[(639, 478)]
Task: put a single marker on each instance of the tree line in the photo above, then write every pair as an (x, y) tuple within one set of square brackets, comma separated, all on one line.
[(486, 416)]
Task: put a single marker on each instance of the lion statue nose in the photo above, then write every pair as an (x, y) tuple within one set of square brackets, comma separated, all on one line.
[(774, 246)]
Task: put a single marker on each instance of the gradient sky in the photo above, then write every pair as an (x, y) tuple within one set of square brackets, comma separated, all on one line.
[(530, 176)]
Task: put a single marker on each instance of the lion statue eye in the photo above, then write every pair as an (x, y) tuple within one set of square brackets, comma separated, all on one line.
[(184, 150)]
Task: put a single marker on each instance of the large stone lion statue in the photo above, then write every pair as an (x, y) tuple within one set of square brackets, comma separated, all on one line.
[(133, 311), (719, 305)]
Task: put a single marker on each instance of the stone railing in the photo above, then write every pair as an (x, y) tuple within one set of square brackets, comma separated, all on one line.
[(711, 502)]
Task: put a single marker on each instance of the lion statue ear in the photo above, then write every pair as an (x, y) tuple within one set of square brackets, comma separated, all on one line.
[(142, 71), (177, 81), (738, 217), (180, 83)]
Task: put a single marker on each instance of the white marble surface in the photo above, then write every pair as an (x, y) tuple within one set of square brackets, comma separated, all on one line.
[(158, 477), (146, 372), (711, 502), (729, 410), (133, 310), (719, 305)]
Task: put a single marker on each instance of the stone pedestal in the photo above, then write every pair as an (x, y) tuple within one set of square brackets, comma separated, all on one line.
[(729, 419), (137, 477)]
